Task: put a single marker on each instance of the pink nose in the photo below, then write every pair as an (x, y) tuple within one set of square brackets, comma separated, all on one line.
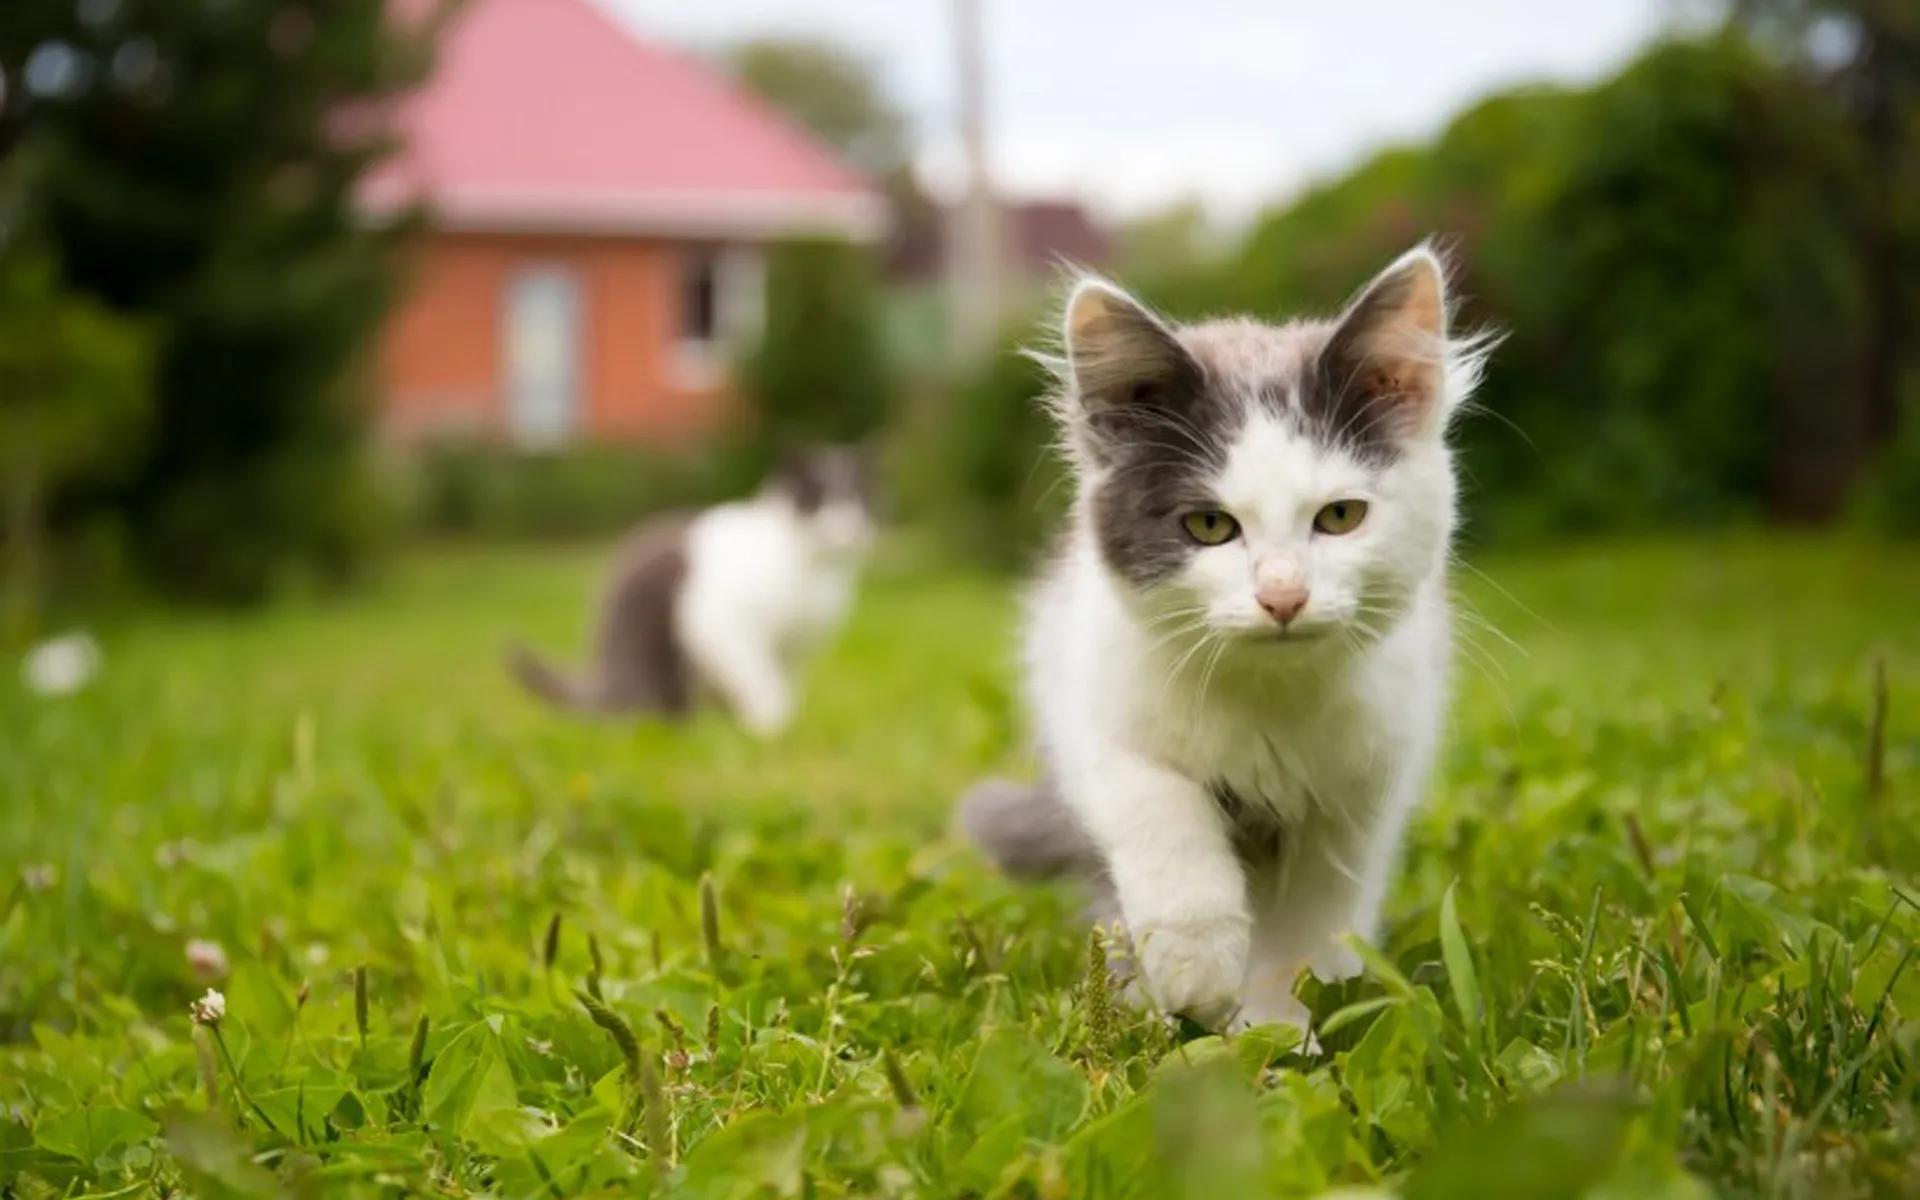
[(1283, 601)]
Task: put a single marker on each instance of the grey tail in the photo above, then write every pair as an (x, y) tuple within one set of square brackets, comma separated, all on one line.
[(549, 682), (1027, 830)]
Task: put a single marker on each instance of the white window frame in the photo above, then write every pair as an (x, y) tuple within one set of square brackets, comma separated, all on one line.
[(739, 303)]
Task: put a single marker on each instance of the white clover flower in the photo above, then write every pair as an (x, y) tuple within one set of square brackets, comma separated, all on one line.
[(210, 1009), (207, 960), (61, 666)]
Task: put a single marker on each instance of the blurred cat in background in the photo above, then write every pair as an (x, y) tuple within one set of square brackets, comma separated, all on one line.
[(726, 603)]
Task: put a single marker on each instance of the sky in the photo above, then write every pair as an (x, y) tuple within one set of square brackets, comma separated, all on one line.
[(1134, 105)]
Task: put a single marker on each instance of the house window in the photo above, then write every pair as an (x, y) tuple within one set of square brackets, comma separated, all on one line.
[(700, 298), (720, 308), (542, 353)]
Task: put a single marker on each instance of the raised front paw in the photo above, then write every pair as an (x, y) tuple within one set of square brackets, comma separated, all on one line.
[(1335, 962), (766, 716), (1276, 1010), (1195, 968)]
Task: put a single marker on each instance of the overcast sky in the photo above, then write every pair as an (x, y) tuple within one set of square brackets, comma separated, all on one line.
[(1134, 104)]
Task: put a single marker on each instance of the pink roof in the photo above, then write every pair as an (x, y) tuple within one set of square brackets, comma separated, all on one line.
[(545, 114)]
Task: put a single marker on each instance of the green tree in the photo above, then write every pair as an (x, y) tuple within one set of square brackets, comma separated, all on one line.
[(819, 371), (1706, 293), (203, 161), (1669, 254), (830, 91), (1865, 56), (1176, 254)]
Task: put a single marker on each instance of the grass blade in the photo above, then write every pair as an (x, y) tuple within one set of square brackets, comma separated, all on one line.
[(1461, 975), (897, 1080), (1358, 1010), (617, 1029), (416, 1059), (1877, 732), (710, 920), (598, 966), (550, 948)]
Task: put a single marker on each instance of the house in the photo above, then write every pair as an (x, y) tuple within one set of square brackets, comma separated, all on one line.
[(598, 208), (1037, 238)]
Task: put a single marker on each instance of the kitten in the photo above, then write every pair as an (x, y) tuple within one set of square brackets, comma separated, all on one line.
[(727, 602), (1237, 663)]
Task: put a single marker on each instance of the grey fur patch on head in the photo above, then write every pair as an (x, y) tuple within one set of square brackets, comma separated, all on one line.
[(1153, 420), (1154, 408), (816, 476), (1382, 367)]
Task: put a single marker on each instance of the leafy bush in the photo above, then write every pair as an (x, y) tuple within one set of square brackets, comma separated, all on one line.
[(1001, 486), (1889, 500), (818, 371), (74, 377), (479, 489)]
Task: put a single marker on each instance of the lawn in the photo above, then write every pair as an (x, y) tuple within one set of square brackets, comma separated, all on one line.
[(1654, 936)]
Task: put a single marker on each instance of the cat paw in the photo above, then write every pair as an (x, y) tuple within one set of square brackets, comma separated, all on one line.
[(1283, 1011), (1335, 963), (1195, 968), (766, 718), (1288, 1012)]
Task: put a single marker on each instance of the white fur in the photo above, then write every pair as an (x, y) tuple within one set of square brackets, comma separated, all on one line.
[(1143, 699), (765, 586)]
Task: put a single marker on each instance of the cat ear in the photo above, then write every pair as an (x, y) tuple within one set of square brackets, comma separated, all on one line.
[(1120, 355), (1387, 360)]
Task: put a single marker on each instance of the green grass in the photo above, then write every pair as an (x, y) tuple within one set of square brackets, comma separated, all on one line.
[(1654, 935)]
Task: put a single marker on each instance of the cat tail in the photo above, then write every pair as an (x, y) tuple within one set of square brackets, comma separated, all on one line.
[(549, 682), (1027, 830)]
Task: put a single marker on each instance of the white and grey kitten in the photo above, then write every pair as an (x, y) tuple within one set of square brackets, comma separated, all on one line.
[(725, 603), (1237, 663)]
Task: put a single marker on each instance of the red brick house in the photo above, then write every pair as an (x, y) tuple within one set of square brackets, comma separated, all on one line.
[(597, 208)]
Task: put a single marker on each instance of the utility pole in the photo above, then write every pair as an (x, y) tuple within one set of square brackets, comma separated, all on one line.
[(973, 239)]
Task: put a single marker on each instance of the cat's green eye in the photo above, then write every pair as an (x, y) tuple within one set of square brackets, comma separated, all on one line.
[(1342, 516), (1210, 527)]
